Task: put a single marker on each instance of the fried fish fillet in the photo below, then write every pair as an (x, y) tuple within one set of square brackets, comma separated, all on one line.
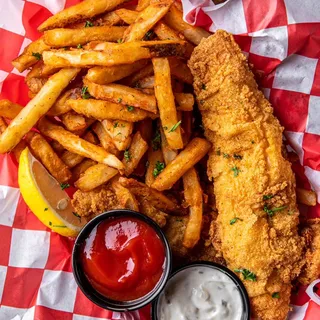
[(254, 185)]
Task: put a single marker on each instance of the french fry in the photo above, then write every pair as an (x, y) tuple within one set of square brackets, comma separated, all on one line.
[(119, 132), (42, 150), (105, 140), (141, 74), (95, 176), (186, 159), (9, 109), (180, 70), (82, 11), (154, 157), (166, 104), (57, 147), (99, 109), (110, 19), (307, 197), (133, 155), (128, 16), (35, 109), (109, 54), (73, 121), (142, 4), (75, 37), (30, 55), (147, 19), (105, 75), (125, 197), (164, 32), (174, 20), (155, 198), (167, 152), (89, 122), (81, 168), (60, 107), (146, 83), (127, 96), (187, 121), (193, 197), (185, 101), (77, 145), (48, 70)]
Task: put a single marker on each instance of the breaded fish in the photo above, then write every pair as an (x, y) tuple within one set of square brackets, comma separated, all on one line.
[(254, 185)]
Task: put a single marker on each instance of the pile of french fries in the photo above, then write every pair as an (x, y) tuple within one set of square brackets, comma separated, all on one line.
[(112, 101)]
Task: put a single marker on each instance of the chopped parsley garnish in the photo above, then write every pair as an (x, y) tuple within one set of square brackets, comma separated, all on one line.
[(267, 196), (46, 209), (76, 215), (119, 100), (84, 93), (37, 55), (120, 40), (204, 87), (127, 156), (56, 225), (236, 171), (234, 220), (148, 35), (156, 141), (88, 24), (276, 295), (158, 168), (130, 108), (174, 127), (225, 155), (115, 125), (271, 212), (237, 156), (247, 274), (64, 186), (79, 46)]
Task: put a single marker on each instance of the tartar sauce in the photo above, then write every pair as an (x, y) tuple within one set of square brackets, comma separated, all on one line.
[(200, 293)]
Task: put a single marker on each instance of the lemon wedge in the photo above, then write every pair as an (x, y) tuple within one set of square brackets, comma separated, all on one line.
[(44, 196)]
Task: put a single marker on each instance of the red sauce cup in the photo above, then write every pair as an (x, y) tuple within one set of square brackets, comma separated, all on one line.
[(98, 259)]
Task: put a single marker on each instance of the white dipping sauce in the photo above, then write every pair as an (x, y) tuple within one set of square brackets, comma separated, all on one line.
[(200, 293)]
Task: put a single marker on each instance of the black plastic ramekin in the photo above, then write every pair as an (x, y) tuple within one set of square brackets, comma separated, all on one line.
[(84, 284), (221, 268)]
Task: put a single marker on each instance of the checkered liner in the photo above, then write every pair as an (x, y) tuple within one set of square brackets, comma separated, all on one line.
[(281, 40)]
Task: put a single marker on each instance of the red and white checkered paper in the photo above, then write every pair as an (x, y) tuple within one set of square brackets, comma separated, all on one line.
[(281, 38)]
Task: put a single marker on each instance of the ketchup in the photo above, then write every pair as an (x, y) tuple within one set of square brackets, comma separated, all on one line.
[(123, 258)]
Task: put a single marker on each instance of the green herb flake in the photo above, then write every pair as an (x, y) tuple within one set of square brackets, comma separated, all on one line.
[(236, 171), (267, 196), (237, 156), (119, 100), (234, 220), (247, 274), (58, 226), (271, 212), (120, 40), (159, 167), (88, 24), (225, 155), (46, 209), (115, 125), (276, 295), (64, 186), (50, 223), (156, 141), (130, 108), (79, 46), (37, 55), (174, 127), (203, 87), (127, 156), (76, 215), (84, 93)]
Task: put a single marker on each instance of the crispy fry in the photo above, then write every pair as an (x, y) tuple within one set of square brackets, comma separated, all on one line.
[(35, 109), (186, 159), (307, 197), (164, 32), (174, 20), (9, 109), (168, 153), (145, 83), (80, 12), (166, 105), (193, 197), (99, 109), (123, 95), (77, 145), (142, 4), (75, 37), (147, 19), (42, 150), (135, 153), (89, 122), (81, 168), (60, 107), (95, 176), (119, 132), (105, 75), (109, 54), (30, 55), (180, 70), (154, 157), (125, 197), (73, 121), (48, 70), (40, 70), (157, 215), (128, 16), (105, 139), (57, 147), (134, 78), (185, 101), (110, 19), (155, 198)]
